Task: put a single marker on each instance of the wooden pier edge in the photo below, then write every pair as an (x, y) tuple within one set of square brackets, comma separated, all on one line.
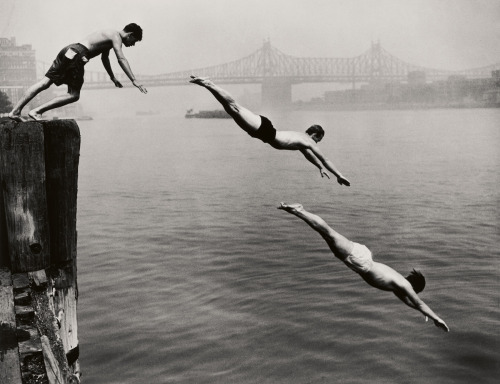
[(4, 253), (38, 274)]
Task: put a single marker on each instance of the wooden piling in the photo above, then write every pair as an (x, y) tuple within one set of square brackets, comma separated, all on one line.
[(10, 371), (4, 255), (38, 179), (22, 166), (62, 155)]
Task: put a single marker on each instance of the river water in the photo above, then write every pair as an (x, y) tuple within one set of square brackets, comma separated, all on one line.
[(189, 274)]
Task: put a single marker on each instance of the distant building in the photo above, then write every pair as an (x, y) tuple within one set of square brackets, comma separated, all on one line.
[(17, 68), (455, 91)]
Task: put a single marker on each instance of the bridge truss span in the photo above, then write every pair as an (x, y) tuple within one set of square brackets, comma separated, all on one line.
[(268, 63)]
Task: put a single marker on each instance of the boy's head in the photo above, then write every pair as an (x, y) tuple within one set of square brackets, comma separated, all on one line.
[(316, 132), (134, 34), (417, 281)]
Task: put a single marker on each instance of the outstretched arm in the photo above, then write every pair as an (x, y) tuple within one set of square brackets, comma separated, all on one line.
[(315, 151), (107, 67), (117, 47), (314, 160), (408, 296)]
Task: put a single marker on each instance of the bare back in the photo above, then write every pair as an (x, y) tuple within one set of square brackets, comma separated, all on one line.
[(292, 140), (383, 277), (101, 41)]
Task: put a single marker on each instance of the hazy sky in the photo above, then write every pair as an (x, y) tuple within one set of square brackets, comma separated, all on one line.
[(185, 34)]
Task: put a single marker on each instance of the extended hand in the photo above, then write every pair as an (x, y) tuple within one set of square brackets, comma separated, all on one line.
[(323, 173), (141, 87), (441, 324), (343, 181)]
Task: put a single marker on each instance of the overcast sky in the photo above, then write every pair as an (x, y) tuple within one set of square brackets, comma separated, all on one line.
[(185, 34)]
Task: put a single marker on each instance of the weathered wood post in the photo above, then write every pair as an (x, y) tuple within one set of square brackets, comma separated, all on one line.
[(9, 363), (38, 168), (9, 366), (22, 165), (4, 255), (62, 155)]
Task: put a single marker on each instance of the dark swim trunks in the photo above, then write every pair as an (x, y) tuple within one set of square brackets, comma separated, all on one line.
[(66, 70), (266, 131)]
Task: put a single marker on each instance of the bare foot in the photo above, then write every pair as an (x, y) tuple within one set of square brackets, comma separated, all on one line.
[(16, 117), (203, 81), (291, 208), (35, 116)]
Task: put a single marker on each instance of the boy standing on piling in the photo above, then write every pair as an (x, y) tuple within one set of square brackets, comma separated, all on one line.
[(68, 68)]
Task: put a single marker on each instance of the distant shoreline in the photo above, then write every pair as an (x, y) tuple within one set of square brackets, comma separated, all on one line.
[(373, 106)]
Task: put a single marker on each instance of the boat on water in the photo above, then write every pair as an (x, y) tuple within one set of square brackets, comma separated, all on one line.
[(214, 114), (84, 117), (73, 111), (79, 118)]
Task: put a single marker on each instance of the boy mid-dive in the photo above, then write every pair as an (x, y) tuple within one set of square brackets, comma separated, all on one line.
[(261, 127), (359, 258)]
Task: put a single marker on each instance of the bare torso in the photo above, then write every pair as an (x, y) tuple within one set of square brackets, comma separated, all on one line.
[(383, 277), (100, 41), (292, 140), (380, 276)]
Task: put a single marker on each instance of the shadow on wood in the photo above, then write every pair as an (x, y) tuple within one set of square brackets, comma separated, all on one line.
[(38, 179), (22, 165)]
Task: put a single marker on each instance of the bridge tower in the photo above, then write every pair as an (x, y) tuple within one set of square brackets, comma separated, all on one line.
[(276, 89), (383, 67), (376, 61)]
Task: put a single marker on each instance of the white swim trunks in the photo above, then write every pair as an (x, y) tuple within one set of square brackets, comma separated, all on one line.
[(360, 260)]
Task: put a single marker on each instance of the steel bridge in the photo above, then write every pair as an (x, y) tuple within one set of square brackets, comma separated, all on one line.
[(268, 63), (277, 72), (375, 64)]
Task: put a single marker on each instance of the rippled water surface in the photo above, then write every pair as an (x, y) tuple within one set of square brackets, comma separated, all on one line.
[(189, 274)]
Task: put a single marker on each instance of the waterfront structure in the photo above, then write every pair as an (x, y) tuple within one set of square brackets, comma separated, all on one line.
[(17, 68), (270, 65), (38, 282), (277, 72), (416, 92)]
